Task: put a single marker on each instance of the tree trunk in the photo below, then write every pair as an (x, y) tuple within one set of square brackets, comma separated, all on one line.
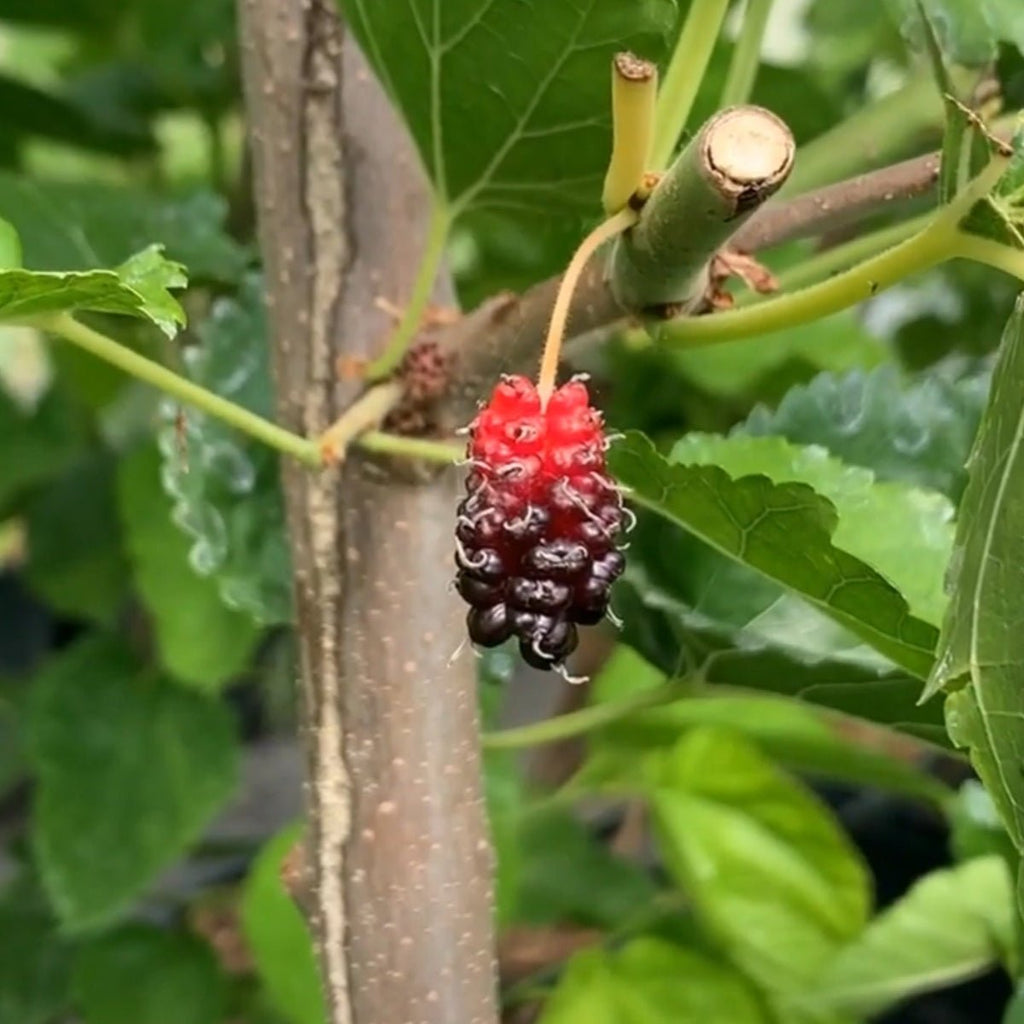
[(398, 843)]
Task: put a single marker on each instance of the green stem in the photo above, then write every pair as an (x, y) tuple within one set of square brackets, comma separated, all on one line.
[(922, 251), (746, 57), (422, 288), (411, 447), (991, 253), (67, 327), (685, 73), (823, 265), (576, 723)]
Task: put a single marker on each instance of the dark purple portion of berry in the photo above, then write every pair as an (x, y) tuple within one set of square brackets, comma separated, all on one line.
[(538, 526), (558, 560), (538, 595), (489, 627)]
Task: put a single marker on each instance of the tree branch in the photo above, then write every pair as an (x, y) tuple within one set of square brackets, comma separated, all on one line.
[(398, 836), (505, 333)]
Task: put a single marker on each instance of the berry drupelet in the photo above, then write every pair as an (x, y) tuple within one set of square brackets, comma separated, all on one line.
[(536, 533)]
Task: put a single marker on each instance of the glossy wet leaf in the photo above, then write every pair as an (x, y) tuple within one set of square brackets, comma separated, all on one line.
[(952, 925), (139, 287), (771, 875), (199, 639), (129, 767), (225, 487), (981, 650), (521, 125), (913, 549), (649, 981), (785, 532), (918, 431)]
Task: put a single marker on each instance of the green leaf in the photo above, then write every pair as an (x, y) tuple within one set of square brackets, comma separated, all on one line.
[(525, 128), (35, 962), (672, 635), (144, 975), (913, 549), (770, 873), (566, 874), (796, 736), (975, 827), (918, 431), (838, 343), (37, 445), (951, 926), (278, 937), (200, 640), (10, 247), (226, 488), (650, 982), (968, 30), (76, 562), (981, 649), (88, 226), (784, 531), (130, 768), (137, 288)]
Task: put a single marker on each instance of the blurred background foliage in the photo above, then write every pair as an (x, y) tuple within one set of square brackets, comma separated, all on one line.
[(149, 771)]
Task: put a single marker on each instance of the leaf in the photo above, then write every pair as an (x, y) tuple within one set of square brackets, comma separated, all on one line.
[(10, 246), (130, 768), (968, 30), (918, 431), (278, 938), (913, 549), (225, 487), (770, 873), (975, 827), (525, 128), (565, 874), (981, 648), (76, 562), (37, 445), (665, 631), (201, 641), (952, 925), (649, 981), (137, 288), (783, 531), (88, 226), (839, 342), (35, 962), (799, 737), (144, 975)]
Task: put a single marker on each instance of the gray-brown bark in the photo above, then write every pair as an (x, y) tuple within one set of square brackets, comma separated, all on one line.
[(398, 847)]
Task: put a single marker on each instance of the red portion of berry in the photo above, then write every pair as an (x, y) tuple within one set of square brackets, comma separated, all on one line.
[(536, 531)]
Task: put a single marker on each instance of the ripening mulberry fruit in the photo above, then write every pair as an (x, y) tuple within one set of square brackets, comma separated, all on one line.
[(536, 533)]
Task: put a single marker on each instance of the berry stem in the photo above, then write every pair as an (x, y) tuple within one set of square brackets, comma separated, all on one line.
[(411, 447), (614, 225)]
